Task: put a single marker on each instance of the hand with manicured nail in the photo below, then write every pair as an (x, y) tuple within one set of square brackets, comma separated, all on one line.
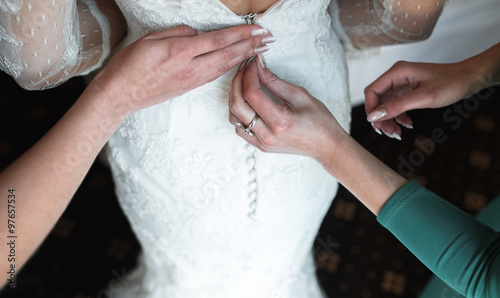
[(168, 63), (302, 125), (408, 86)]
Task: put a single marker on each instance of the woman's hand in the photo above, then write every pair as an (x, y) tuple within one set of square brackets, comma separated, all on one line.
[(169, 63), (303, 125), (300, 125), (408, 86)]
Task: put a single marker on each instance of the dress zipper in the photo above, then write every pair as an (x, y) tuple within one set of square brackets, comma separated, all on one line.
[(249, 18)]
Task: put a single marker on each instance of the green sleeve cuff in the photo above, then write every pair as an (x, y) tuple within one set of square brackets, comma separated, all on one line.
[(397, 200)]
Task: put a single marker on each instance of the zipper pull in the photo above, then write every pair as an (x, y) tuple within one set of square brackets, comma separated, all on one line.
[(249, 18)]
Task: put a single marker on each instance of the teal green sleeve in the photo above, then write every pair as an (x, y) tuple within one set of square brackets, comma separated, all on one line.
[(456, 247)]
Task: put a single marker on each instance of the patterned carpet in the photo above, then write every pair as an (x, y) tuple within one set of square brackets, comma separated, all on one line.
[(92, 243)]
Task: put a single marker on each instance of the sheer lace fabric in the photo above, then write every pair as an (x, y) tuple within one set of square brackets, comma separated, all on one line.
[(368, 23), (44, 43)]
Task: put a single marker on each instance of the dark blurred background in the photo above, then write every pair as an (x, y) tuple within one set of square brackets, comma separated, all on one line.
[(92, 243)]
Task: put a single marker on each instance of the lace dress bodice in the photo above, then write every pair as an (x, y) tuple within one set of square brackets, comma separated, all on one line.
[(215, 217)]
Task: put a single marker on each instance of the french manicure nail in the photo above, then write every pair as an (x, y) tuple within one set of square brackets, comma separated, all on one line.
[(259, 32), (376, 129), (268, 39), (261, 49), (377, 114), (396, 136), (262, 61), (388, 134), (409, 126)]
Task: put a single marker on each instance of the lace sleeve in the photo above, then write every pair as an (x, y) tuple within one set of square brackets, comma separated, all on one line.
[(368, 23), (43, 43)]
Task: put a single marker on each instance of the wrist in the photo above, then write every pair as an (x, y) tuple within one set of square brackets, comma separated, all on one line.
[(334, 147), (366, 177), (483, 69), (104, 103), (107, 96)]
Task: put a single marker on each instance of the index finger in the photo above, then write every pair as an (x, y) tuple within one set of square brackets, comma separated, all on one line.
[(219, 39), (270, 111)]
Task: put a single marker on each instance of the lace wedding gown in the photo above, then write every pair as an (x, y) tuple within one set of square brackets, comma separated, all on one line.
[(215, 217)]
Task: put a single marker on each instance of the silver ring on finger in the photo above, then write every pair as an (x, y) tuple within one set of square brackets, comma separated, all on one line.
[(248, 130)]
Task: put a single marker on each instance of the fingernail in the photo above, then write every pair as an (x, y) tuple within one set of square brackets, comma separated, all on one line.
[(396, 136), (259, 32), (387, 134), (377, 114), (268, 39), (243, 64), (376, 129), (261, 49), (409, 126), (262, 61)]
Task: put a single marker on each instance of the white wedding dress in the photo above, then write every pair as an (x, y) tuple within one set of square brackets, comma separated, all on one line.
[(215, 217)]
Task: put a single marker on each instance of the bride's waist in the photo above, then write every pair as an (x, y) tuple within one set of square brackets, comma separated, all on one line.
[(221, 275)]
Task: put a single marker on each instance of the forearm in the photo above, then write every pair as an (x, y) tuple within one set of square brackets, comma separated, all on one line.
[(49, 173), (456, 247), (459, 249), (366, 177)]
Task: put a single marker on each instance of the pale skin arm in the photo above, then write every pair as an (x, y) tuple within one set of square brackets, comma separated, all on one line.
[(352, 163), (157, 67), (48, 174)]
